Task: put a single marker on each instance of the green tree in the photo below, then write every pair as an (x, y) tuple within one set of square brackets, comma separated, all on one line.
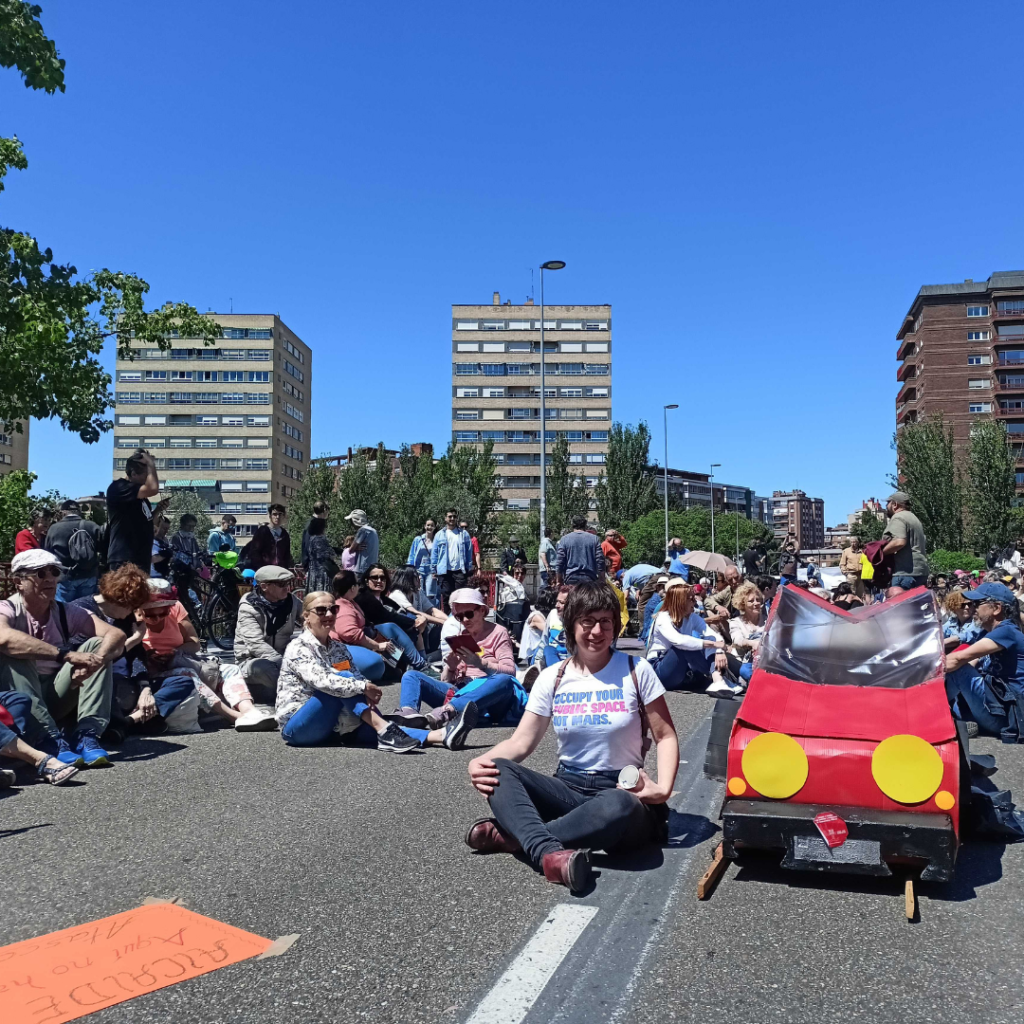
[(465, 478), (928, 469), (15, 506), (317, 485), (868, 527), (942, 561), (626, 490), (646, 535), (991, 478), (186, 500), (567, 492), (50, 334)]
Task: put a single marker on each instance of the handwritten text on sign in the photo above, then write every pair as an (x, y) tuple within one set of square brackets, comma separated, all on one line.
[(65, 975)]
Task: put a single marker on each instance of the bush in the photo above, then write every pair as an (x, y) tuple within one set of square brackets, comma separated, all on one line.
[(942, 561)]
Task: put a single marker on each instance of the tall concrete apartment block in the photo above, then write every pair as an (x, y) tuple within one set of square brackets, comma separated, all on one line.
[(961, 354), (496, 387), (795, 513), (230, 420), (14, 449)]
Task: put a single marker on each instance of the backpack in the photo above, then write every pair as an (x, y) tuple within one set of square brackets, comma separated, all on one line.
[(81, 546)]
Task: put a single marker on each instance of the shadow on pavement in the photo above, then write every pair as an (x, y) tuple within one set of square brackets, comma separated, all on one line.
[(137, 748), (686, 830), (8, 832)]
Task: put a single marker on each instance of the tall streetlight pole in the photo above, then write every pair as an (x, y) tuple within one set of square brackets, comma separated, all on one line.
[(714, 466), (665, 410), (549, 265)]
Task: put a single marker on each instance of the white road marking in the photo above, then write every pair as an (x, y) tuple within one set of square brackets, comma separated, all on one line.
[(518, 988)]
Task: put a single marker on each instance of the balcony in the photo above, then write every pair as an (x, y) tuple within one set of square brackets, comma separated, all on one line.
[(907, 371), (1010, 384), (1010, 358), (1007, 410), (907, 394), (906, 348)]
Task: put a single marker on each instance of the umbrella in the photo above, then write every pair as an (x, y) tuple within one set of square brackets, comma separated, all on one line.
[(707, 560)]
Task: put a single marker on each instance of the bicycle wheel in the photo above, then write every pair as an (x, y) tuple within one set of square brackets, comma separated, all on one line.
[(219, 621)]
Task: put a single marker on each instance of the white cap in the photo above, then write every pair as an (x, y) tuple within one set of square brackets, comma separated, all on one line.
[(37, 558), (467, 595)]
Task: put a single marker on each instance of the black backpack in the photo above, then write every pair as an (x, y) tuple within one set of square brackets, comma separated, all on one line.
[(81, 546)]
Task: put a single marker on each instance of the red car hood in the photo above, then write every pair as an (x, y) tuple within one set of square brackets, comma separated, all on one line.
[(777, 704)]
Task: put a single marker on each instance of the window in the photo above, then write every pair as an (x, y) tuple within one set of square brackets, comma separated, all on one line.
[(980, 407), (206, 421), (466, 325), (574, 435), (293, 453), (296, 414), (518, 369), (294, 371), (292, 350), (595, 325), (1011, 306), (128, 397), (154, 442), (467, 414), (979, 335), (259, 355), (129, 420), (127, 442), (570, 369), (497, 346), (180, 442), (292, 391), (597, 414), (571, 325), (232, 398), (979, 383), (257, 463), (467, 392), (208, 397), (131, 375), (465, 436), (597, 435), (204, 463), (492, 369), (494, 392), (181, 398), (596, 369), (575, 458), (206, 442), (572, 346), (597, 346), (158, 421), (156, 397), (519, 325), (493, 435), (230, 485), (493, 325), (258, 421), (257, 485), (518, 504), (466, 369), (570, 392), (257, 442), (174, 375), (233, 376), (979, 360), (231, 442), (293, 431), (179, 463), (596, 392), (1011, 405), (977, 310), (598, 458)]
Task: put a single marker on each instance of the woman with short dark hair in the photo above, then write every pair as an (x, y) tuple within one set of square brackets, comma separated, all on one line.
[(601, 703)]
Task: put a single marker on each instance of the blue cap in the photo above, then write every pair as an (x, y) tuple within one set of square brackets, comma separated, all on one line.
[(992, 592)]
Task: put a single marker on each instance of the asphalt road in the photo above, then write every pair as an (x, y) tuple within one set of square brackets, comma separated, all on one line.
[(361, 853)]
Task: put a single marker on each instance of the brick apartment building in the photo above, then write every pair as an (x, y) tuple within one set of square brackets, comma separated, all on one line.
[(795, 513), (14, 449), (961, 354)]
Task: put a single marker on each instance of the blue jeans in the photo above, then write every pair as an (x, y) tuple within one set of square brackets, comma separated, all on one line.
[(168, 693), (495, 696), (314, 722), (428, 584), (70, 590), (675, 666), (907, 582), (404, 643), (19, 707), (369, 664), (981, 704)]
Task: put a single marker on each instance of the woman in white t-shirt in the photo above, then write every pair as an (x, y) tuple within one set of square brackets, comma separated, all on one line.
[(683, 649), (407, 595), (597, 701)]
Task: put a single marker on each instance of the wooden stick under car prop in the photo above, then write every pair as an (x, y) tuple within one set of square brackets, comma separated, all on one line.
[(843, 755)]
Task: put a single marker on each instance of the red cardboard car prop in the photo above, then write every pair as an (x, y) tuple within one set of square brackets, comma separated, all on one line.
[(843, 755)]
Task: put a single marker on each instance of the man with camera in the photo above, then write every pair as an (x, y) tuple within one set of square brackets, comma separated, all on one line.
[(130, 515)]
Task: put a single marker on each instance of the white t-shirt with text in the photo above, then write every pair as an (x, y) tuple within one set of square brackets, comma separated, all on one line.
[(596, 717)]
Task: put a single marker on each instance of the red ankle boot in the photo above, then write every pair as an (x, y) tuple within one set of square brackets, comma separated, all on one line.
[(570, 868), (487, 836)]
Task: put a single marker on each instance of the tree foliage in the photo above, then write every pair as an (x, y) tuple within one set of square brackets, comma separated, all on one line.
[(868, 527), (626, 490), (991, 478), (942, 561), (929, 473), (567, 492), (646, 535), (52, 323), (186, 500), (15, 506)]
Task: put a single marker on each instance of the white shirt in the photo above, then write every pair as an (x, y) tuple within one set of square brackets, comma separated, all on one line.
[(689, 635), (596, 717), (421, 604), (455, 550)]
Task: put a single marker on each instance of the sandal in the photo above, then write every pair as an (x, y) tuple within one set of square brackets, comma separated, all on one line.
[(56, 772)]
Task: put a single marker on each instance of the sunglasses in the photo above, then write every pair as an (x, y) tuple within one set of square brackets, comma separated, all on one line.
[(157, 614), (45, 572), (325, 611), (465, 615), (376, 578)]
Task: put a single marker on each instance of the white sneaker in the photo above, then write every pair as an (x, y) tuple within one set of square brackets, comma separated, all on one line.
[(720, 688), (255, 720)]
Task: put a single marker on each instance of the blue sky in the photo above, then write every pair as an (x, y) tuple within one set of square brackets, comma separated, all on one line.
[(757, 189)]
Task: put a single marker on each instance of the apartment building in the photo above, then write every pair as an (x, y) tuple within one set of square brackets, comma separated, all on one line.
[(496, 387), (961, 354), (230, 420), (803, 517), (694, 490), (14, 449)]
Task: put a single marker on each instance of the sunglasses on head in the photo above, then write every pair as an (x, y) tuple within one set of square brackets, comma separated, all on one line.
[(325, 611), (46, 571)]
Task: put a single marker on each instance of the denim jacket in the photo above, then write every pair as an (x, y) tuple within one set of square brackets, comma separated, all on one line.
[(419, 554), (439, 556)]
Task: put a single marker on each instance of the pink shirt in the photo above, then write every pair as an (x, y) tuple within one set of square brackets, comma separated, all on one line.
[(80, 623), (496, 647), (350, 623)]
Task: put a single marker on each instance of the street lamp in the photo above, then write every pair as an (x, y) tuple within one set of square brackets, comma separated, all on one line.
[(550, 265), (666, 409), (714, 466)]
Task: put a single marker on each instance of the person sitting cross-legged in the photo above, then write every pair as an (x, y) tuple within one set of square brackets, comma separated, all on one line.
[(683, 647), (268, 620), (600, 703), (320, 692), (39, 657), (483, 674)]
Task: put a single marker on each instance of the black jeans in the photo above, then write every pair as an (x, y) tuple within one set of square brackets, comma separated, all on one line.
[(572, 810), (447, 584)]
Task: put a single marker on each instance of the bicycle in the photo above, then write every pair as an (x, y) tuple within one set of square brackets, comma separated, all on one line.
[(220, 609)]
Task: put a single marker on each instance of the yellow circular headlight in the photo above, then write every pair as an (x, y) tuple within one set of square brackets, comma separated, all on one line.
[(906, 768), (775, 765)]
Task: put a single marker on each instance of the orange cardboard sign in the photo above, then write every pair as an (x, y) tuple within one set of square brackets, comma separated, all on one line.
[(68, 974)]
